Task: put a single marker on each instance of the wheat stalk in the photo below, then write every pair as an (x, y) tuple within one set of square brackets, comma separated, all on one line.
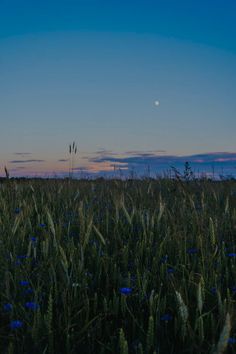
[(123, 343), (200, 297), (224, 336), (150, 334), (183, 311)]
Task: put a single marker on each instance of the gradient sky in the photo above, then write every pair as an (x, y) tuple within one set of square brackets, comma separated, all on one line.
[(91, 70)]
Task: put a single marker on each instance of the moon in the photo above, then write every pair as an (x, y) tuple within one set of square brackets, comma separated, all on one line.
[(157, 103)]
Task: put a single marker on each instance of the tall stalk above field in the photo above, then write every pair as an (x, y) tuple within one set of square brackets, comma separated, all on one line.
[(72, 152)]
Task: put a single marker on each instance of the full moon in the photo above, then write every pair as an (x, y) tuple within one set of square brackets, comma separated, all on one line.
[(157, 103)]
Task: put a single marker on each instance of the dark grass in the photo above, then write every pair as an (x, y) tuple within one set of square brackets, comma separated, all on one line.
[(77, 243)]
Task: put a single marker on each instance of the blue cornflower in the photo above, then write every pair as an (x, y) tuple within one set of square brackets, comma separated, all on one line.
[(17, 210), (233, 288), (33, 239), (213, 290), (232, 340), (125, 291), (7, 307), (192, 250), (231, 255), (16, 324), (22, 256), (24, 282), (42, 225), (32, 305), (170, 270), (166, 317)]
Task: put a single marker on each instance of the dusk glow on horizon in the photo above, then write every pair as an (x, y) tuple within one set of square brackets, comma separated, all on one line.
[(138, 85)]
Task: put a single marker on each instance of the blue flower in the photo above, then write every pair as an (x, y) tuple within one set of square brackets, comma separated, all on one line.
[(233, 288), (22, 256), (16, 324), (170, 270), (17, 210), (232, 340), (231, 255), (32, 305), (192, 251), (213, 290), (33, 239), (166, 317), (125, 291), (7, 307), (24, 282), (42, 225)]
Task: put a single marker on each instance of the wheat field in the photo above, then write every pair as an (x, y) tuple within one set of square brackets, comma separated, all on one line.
[(111, 266)]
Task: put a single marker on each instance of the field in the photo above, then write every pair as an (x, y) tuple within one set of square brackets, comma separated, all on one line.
[(135, 266)]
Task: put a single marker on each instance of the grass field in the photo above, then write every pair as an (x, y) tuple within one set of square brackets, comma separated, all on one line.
[(135, 266)]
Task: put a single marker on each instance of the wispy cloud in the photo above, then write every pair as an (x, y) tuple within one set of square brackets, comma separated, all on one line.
[(145, 153), (22, 153), (18, 168), (63, 160), (25, 161), (106, 152)]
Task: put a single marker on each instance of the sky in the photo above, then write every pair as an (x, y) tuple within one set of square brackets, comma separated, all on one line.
[(90, 71)]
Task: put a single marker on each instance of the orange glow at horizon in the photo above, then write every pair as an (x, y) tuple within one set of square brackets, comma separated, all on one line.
[(62, 167)]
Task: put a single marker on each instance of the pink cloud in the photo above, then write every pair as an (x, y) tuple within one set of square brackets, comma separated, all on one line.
[(225, 159)]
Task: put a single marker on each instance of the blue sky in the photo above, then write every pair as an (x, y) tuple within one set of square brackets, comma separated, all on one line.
[(90, 71)]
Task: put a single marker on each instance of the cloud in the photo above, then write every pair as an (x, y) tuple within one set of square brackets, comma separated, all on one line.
[(141, 162), (18, 168), (102, 166), (22, 153), (106, 152), (226, 159), (213, 157), (152, 159), (146, 153), (25, 161), (63, 160), (142, 159), (105, 166)]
